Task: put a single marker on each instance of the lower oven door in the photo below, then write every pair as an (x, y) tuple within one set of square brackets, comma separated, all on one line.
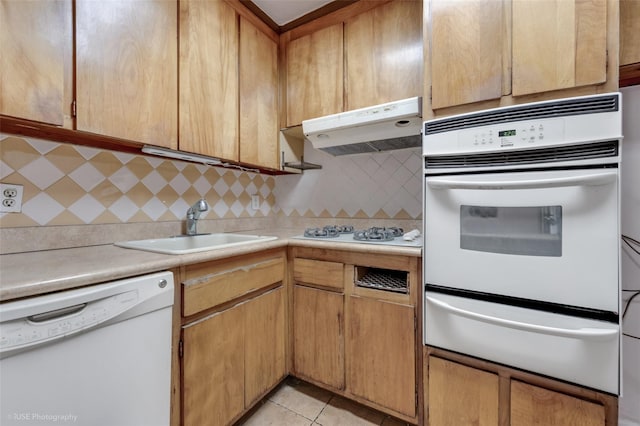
[(577, 350), (549, 236)]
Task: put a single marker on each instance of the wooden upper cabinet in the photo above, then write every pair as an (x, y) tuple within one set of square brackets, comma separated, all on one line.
[(629, 32), (533, 405), (558, 44), (258, 97), (466, 51), (209, 78), (32, 43), (383, 51), (126, 69), (315, 74)]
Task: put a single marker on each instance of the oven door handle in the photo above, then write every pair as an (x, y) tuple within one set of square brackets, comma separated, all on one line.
[(582, 180), (598, 334)]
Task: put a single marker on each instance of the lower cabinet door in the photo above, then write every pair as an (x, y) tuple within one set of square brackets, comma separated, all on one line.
[(461, 395), (318, 335), (213, 369), (264, 358), (381, 357), (533, 405)]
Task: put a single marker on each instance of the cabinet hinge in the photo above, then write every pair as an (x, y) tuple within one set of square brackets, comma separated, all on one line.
[(180, 349), (73, 108)]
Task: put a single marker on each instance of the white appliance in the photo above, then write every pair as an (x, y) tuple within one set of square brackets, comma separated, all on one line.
[(389, 126), (522, 225), (377, 235), (99, 355), (629, 414)]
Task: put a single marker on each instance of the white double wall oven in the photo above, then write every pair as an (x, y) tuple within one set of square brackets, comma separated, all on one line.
[(522, 225)]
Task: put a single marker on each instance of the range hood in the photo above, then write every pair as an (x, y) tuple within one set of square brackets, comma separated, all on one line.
[(394, 125)]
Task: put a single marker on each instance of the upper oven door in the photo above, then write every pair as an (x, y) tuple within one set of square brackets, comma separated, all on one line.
[(548, 236)]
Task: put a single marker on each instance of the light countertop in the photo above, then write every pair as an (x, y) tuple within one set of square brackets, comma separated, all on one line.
[(39, 272)]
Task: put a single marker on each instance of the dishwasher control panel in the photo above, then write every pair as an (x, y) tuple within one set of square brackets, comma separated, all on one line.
[(41, 327)]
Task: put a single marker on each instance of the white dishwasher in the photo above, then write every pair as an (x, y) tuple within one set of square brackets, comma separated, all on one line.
[(98, 355)]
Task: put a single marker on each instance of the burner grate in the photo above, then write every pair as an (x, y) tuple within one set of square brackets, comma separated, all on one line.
[(329, 231), (378, 234), (341, 229), (325, 232)]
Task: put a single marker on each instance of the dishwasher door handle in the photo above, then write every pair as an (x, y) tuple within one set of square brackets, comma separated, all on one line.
[(580, 333), (56, 314)]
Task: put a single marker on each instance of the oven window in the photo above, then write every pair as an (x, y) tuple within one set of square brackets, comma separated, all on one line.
[(527, 231)]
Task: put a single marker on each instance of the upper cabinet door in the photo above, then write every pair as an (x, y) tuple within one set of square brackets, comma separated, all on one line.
[(383, 50), (258, 97), (209, 78), (315, 75), (32, 42), (629, 32), (558, 44), (126, 65), (466, 51)]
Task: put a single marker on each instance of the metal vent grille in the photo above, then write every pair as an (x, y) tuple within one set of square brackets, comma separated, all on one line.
[(547, 155), (383, 279), (375, 146), (562, 108)]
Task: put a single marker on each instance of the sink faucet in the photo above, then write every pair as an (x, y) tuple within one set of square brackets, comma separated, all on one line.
[(193, 214)]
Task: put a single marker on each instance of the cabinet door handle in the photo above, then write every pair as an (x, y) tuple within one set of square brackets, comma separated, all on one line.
[(579, 333)]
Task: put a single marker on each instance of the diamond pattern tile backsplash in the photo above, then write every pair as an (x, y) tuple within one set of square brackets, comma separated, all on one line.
[(75, 185), (385, 185)]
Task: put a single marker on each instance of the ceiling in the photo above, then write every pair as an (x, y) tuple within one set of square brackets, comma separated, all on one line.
[(283, 12)]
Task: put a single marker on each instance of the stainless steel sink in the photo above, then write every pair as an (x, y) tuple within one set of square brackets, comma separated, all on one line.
[(184, 244)]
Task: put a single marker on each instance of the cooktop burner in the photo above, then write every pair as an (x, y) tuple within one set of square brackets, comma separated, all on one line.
[(329, 231), (378, 234)]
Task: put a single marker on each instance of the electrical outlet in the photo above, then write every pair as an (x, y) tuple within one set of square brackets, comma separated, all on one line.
[(255, 202), (11, 196)]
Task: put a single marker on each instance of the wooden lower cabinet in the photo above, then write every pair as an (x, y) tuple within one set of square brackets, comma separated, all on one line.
[(318, 335), (461, 395), (357, 341), (233, 358), (213, 369), (381, 355), (461, 390), (533, 405), (264, 344)]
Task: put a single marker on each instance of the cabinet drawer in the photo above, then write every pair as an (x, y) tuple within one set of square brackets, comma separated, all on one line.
[(319, 272), (219, 286)]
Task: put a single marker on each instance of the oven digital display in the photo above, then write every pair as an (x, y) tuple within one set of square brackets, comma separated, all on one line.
[(504, 133)]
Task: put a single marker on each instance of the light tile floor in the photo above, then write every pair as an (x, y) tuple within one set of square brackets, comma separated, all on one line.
[(297, 403)]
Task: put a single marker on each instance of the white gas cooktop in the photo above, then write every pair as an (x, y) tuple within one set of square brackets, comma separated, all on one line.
[(356, 236)]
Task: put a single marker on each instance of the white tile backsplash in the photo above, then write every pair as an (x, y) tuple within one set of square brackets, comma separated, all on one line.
[(372, 185)]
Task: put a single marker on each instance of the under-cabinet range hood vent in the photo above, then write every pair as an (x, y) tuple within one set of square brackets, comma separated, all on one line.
[(394, 125)]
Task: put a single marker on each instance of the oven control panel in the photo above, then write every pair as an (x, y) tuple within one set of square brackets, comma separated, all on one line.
[(515, 134)]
